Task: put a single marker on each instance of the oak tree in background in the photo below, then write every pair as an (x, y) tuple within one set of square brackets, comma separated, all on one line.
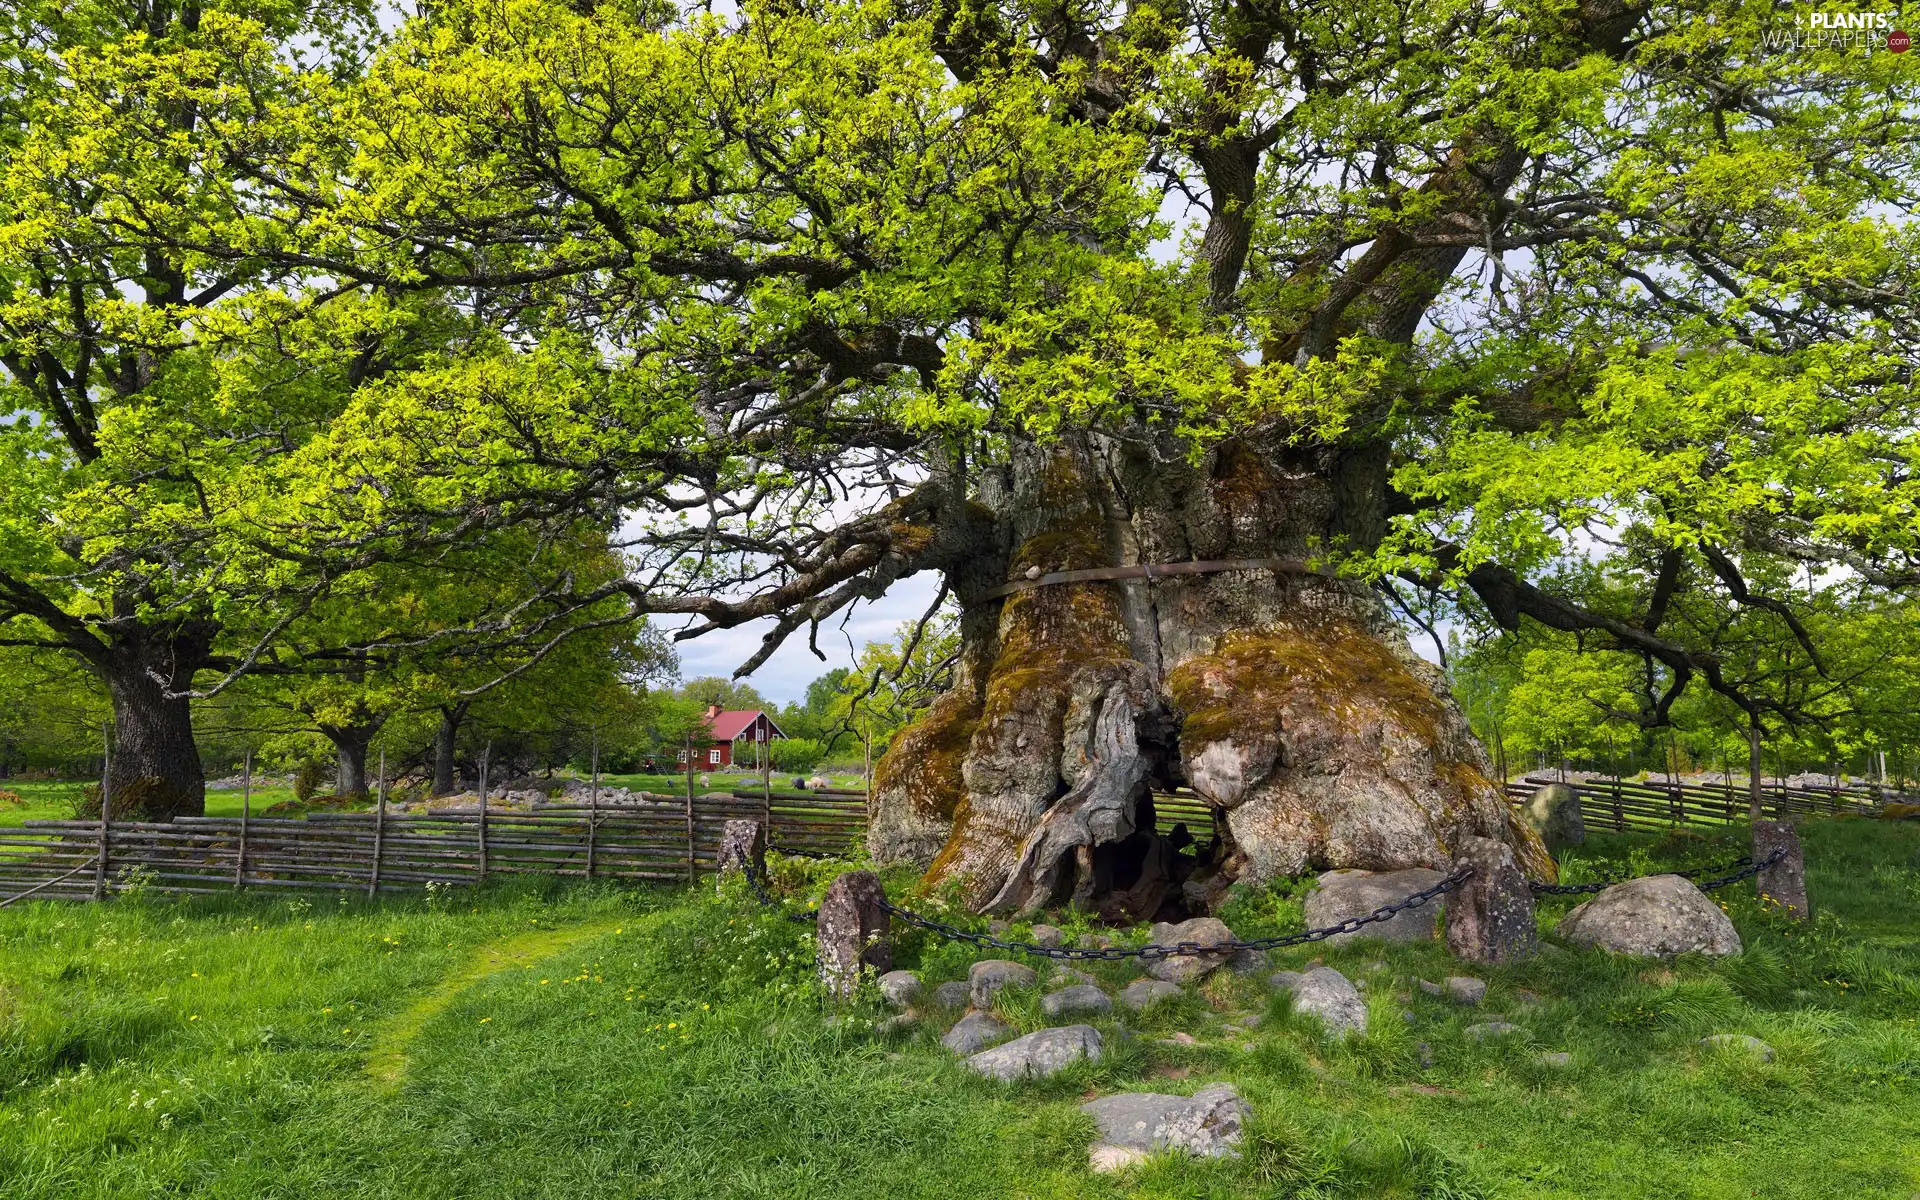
[(145, 341)]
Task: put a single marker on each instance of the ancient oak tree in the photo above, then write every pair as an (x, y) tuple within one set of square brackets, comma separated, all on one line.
[(1276, 300)]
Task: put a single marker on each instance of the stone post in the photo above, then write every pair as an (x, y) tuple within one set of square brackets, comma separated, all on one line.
[(742, 840), (1490, 916), (1786, 880), (852, 932)]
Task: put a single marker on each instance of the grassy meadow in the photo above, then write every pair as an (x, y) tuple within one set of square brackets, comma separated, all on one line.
[(592, 1041)]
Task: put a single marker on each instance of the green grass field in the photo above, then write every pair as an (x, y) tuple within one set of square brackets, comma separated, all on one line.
[(580, 1041), (50, 800)]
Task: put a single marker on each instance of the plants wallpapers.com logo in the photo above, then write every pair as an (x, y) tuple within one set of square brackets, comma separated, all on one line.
[(1842, 30)]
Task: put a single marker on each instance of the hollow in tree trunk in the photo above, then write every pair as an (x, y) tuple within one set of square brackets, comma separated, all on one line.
[(1287, 701)]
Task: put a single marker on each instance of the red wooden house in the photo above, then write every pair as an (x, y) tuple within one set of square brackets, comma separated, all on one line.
[(734, 736)]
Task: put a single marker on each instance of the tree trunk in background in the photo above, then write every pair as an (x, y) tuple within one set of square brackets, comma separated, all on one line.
[(350, 743), (1754, 790), (1289, 702), (446, 767), (155, 774)]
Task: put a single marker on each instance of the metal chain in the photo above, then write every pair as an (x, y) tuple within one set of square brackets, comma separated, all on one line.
[(760, 892), (1115, 953), (1745, 862), (1751, 869), (1155, 953)]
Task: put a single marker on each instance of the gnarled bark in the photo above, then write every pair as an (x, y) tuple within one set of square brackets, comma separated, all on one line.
[(155, 773), (1290, 702)]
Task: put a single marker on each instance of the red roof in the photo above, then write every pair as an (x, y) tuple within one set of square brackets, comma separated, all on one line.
[(734, 723)]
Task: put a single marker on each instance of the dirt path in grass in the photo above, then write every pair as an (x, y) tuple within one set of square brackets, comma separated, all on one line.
[(387, 1063)]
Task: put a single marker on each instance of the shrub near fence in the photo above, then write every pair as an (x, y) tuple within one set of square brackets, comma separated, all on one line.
[(671, 839)]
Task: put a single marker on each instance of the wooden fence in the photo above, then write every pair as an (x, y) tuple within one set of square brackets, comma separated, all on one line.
[(1639, 804), (666, 840)]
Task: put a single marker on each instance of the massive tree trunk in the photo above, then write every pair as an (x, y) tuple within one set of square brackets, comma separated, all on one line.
[(155, 773), (1288, 701)]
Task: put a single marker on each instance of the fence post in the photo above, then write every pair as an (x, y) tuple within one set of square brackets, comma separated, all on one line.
[(689, 809), (379, 823), (766, 784), (1490, 916), (852, 929), (246, 811), (1786, 880), (106, 774), (743, 846), (1619, 812), (593, 801), (484, 756)]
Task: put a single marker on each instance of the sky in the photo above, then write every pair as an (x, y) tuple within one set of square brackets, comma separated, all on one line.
[(785, 676)]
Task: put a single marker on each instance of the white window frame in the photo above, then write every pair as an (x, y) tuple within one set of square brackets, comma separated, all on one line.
[(713, 757)]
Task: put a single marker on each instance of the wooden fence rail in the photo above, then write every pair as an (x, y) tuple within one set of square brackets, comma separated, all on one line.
[(666, 840), (663, 839), (1645, 804)]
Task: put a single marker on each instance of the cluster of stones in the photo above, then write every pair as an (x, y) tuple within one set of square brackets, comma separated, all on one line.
[(1488, 919), (1133, 1124)]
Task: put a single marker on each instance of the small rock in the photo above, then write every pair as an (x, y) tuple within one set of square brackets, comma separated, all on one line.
[(1554, 1058), (986, 979), (1145, 993), (1465, 989), (1093, 941), (954, 993), (997, 927), (1069, 975), (1408, 1015), (1739, 1041), (1342, 895), (898, 1023), (1178, 1038), (1047, 935), (1493, 1029), (1248, 962), (1108, 1159), (1327, 994), (1424, 1054), (1529, 998), (1206, 1124), (1430, 987), (900, 988), (1039, 1054), (1185, 968), (973, 1032), (1284, 981), (1080, 998), (1655, 916)]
